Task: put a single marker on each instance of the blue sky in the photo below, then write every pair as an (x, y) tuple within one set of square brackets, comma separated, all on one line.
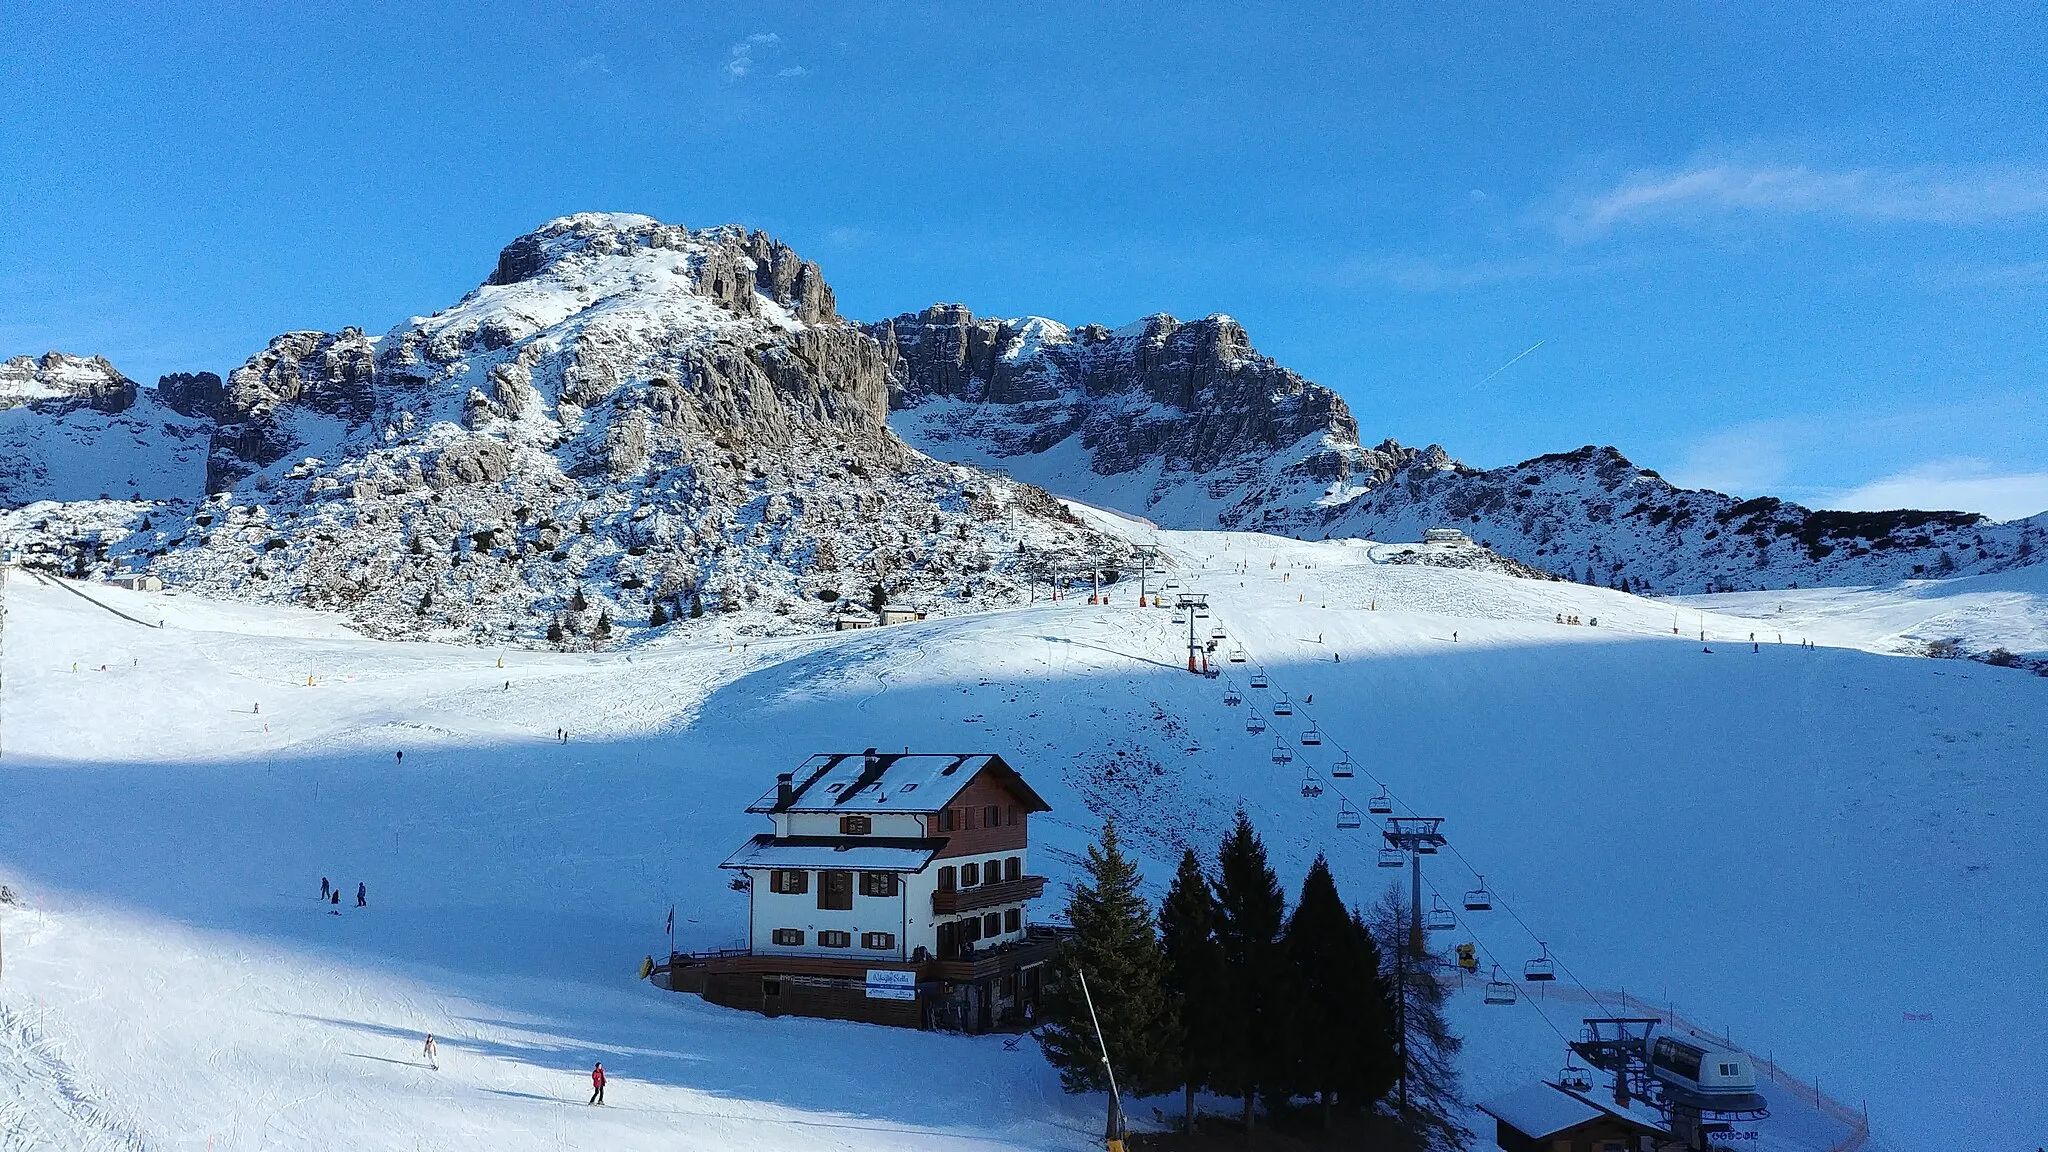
[(1796, 249)]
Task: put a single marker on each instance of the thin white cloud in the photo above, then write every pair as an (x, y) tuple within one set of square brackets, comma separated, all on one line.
[(1913, 195), (1962, 485), (595, 62), (794, 70), (740, 61)]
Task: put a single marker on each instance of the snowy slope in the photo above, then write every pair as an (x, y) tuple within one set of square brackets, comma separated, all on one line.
[(74, 428), (1800, 847)]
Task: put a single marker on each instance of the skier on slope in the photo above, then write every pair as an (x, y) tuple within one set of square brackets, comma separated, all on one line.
[(597, 1083), (432, 1052), (325, 888), (362, 895)]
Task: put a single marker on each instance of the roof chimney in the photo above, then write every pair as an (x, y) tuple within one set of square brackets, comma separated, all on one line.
[(870, 754), (785, 792)]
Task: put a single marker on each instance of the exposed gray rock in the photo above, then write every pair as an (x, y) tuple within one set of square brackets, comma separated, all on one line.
[(197, 394), (58, 381)]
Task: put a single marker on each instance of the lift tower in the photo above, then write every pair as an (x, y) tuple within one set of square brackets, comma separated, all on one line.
[(1190, 604)]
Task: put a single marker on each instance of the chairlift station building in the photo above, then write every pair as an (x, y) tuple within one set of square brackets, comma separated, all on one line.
[(890, 888)]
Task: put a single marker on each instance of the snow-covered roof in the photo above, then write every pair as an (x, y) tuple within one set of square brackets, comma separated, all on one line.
[(1542, 1109), (879, 855), (891, 782)]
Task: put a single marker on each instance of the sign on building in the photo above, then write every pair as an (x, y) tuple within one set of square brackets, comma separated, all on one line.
[(889, 984)]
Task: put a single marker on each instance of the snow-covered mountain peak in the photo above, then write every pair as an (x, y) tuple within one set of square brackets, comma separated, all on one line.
[(67, 380)]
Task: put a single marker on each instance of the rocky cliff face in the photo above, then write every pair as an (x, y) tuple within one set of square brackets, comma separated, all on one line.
[(57, 381), (1187, 425), (74, 428), (627, 422), (1182, 422)]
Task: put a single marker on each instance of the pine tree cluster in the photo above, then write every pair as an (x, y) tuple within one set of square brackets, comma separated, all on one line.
[(1228, 991)]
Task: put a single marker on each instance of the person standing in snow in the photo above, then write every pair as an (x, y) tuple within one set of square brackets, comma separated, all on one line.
[(334, 898), (362, 895), (401, 756), (597, 1083), (325, 888), (432, 1052)]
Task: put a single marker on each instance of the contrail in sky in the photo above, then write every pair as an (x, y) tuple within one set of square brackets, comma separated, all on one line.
[(1510, 364)]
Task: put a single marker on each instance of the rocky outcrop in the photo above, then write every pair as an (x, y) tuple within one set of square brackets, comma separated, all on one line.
[(196, 394), (58, 381)]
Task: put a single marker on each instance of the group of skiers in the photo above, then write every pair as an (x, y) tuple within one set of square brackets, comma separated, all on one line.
[(331, 894), (1562, 618)]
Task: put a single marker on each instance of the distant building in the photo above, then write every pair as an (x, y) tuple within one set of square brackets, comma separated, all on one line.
[(900, 614), (137, 582), (1444, 536), (1546, 1118), (852, 623), (892, 889)]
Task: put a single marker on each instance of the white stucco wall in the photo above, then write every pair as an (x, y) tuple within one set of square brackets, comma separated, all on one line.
[(772, 910)]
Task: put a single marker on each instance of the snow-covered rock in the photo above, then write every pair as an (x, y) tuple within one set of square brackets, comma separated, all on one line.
[(1187, 425), (74, 428)]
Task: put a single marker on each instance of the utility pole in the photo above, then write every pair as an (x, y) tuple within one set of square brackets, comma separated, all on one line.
[(1190, 604), (1113, 1136), (1146, 554)]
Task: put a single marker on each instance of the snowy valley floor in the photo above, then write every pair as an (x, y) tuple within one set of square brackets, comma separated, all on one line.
[(1835, 855)]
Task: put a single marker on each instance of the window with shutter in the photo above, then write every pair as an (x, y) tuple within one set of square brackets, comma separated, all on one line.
[(1013, 920), (992, 924), (789, 937), (946, 820), (992, 816), (789, 881), (835, 890), (1013, 868), (970, 875), (855, 825), (992, 872), (834, 939), (878, 883), (878, 940)]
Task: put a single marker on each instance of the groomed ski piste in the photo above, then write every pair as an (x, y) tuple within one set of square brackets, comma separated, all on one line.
[(1832, 855)]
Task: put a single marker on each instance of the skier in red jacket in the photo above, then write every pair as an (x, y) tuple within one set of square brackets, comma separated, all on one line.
[(597, 1084)]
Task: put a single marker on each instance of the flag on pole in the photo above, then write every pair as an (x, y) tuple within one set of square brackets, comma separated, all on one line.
[(671, 929)]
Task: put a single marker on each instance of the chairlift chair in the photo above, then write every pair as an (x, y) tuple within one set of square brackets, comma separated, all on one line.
[(1479, 899), (1312, 736), (1342, 768), (1426, 848), (1232, 698), (1237, 654), (1179, 619), (1541, 968), (1348, 817), (1575, 1078), (1258, 679), (1441, 918), (1499, 991), (1283, 706), (1201, 613), (1309, 787), (1255, 723), (1389, 857), (1381, 804), (1216, 633), (1281, 754)]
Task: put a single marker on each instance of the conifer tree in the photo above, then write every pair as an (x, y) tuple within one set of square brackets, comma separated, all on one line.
[(657, 617), (1187, 938), (1345, 1029), (1115, 944), (696, 606), (1253, 997), (1429, 1098)]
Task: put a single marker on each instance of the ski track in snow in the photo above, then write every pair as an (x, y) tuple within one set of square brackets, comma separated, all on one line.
[(1756, 837)]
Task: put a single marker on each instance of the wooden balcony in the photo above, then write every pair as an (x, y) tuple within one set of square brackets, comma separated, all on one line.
[(988, 895)]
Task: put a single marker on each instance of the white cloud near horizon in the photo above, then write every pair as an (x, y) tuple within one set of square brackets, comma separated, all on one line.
[(742, 59), (1749, 460), (1953, 196), (1961, 485)]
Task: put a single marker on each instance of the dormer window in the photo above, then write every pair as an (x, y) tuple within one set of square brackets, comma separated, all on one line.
[(856, 825)]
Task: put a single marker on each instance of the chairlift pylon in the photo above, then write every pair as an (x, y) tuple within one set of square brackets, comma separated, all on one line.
[(1541, 968), (1254, 723), (1348, 817), (1281, 754), (1499, 991), (1479, 899), (1313, 736), (1381, 804)]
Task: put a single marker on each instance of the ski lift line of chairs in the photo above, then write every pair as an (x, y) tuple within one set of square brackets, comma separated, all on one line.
[(1281, 754), (1479, 899), (1499, 991), (1258, 680), (1312, 737), (1254, 723), (1541, 968), (1381, 804), (1348, 817)]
